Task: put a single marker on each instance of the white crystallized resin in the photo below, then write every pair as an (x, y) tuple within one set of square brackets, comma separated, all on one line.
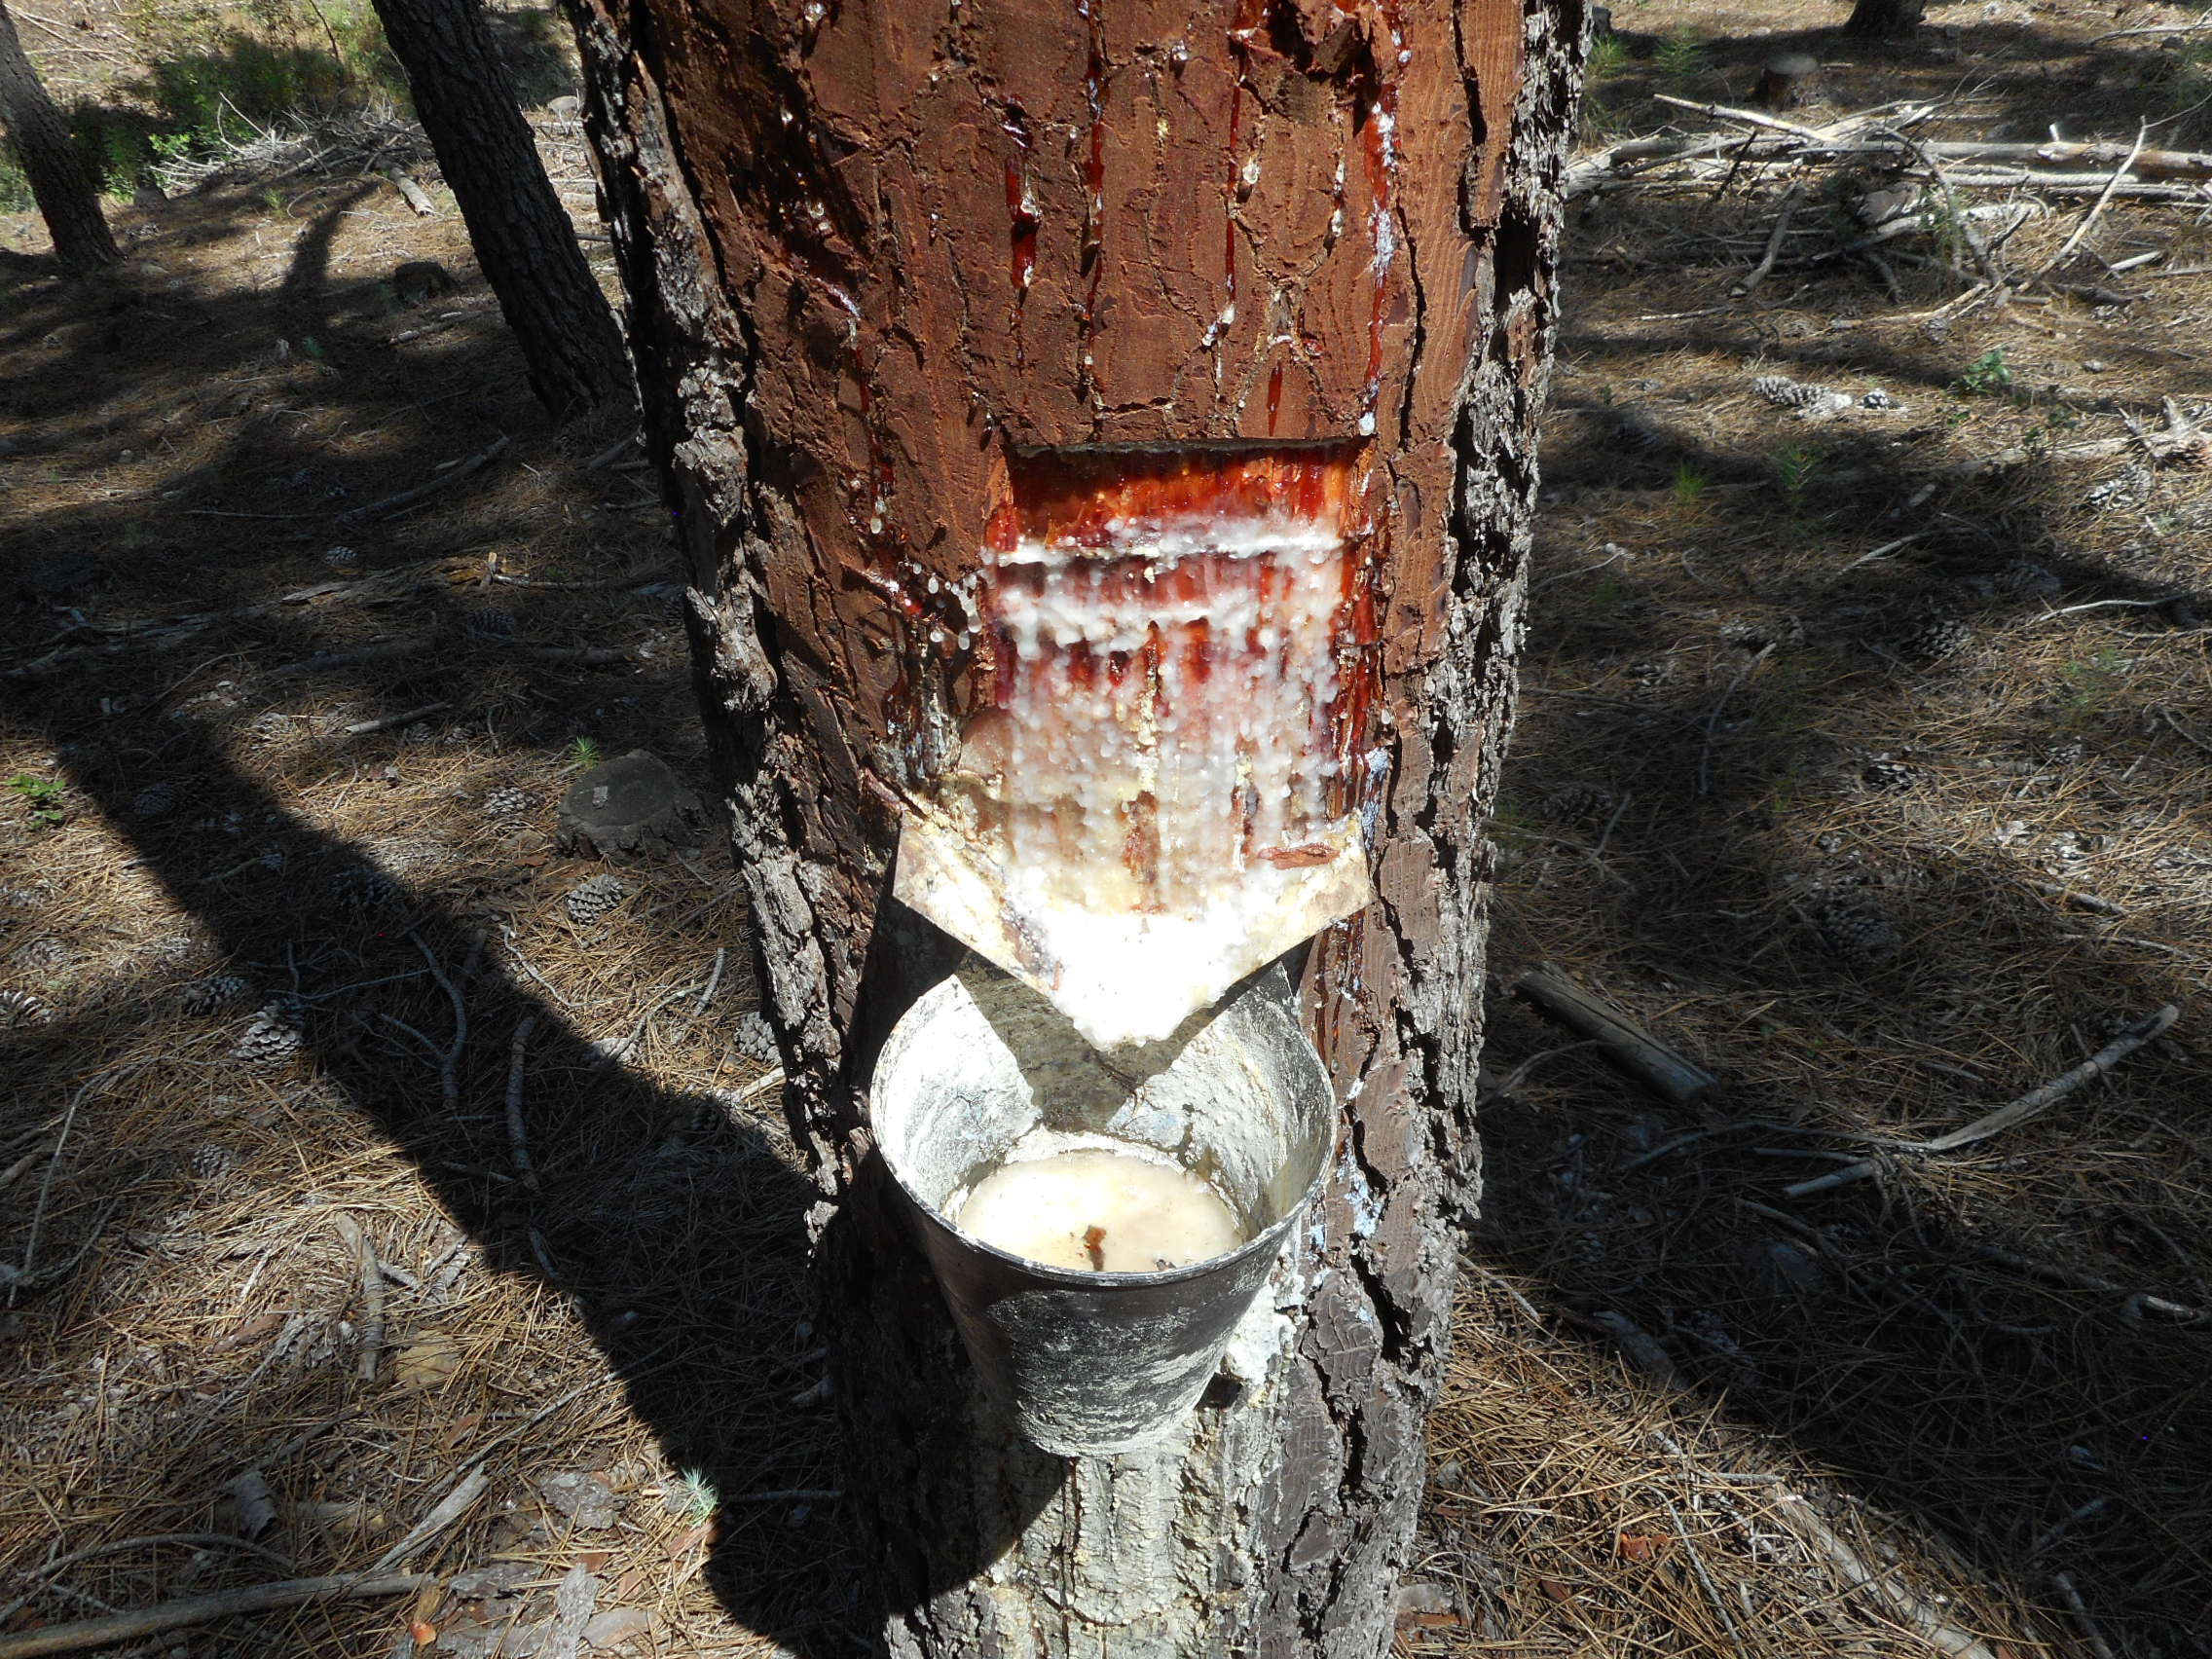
[(1108, 1211)]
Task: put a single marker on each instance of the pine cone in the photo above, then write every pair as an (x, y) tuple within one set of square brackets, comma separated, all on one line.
[(1932, 637), (1889, 776), (1574, 802), (2024, 578), (211, 1163), (268, 727), (589, 901), (1877, 399), (755, 1040), (507, 801), (1859, 934), (341, 557), (218, 993), (271, 1038), (153, 801), (1786, 393), (490, 623), (20, 1010)]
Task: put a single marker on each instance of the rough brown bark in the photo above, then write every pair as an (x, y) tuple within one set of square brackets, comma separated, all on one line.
[(466, 99), (871, 250), (68, 194), (1885, 20)]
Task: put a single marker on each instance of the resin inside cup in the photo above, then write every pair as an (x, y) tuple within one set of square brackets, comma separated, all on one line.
[(1111, 1210)]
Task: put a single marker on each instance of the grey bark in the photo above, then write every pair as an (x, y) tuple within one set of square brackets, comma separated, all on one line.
[(68, 197), (572, 349), (1885, 20), (817, 265)]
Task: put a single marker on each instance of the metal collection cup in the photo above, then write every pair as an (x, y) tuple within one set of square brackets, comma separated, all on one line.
[(1098, 1363)]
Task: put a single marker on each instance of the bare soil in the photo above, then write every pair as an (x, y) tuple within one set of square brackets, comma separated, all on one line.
[(1873, 778)]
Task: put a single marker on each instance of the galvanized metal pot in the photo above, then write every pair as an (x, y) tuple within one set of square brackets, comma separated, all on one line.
[(1098, 1363)]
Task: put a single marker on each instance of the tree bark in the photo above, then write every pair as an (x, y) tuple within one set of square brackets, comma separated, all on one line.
[(1885, 20), (873, 260), (68, 197), (572, 349)]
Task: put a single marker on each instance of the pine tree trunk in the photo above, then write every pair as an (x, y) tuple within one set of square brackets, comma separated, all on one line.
[(68, 194), (873, 256), (571, 347), (1885, 20)]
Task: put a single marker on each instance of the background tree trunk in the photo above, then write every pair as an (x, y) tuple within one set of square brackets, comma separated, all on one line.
[(1885, 20), (68, 197), (466, 99), (869, 254)]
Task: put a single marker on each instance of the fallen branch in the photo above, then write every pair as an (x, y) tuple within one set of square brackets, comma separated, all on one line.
[(1624, 1043), (449, 1509), (357, 1237), (1748, 287), (2029, 1105), (413, 194), (1935, 1627), (386, 723), (393, 505), (518, 1145), (202, 1610), (2096, 207)]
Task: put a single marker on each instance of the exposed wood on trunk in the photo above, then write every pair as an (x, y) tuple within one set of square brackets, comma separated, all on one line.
[(68, 197), (525, 246), (867, 253)]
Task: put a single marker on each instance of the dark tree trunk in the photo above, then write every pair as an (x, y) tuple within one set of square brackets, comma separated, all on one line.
[(524, 244), (875, 254), (1885, 20), (68, 197)]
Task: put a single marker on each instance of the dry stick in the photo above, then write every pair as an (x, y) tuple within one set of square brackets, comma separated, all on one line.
[(406, 498), (386, 723), (1935, 1628), (1748, 287), (1625, 1044), (449, 1058), (1713, 721), (1967, 232), (1697, 1565), (449, 1509), (2096, 207), (372, 1294), (116, 1546), (2136, 1302), (2029, 1105), (413, 194), (518, 1145), (200, 1609), (2097, 1643)]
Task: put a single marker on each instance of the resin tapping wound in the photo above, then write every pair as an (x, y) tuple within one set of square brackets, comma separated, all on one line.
[(1155, 787)]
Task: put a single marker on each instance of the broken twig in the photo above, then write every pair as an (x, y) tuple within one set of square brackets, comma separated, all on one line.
[(2029, 1105), (202, 1610)]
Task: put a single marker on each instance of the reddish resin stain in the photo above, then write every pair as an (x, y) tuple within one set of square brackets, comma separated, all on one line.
[(1024, 226), (1089, 499), (1274, 397)]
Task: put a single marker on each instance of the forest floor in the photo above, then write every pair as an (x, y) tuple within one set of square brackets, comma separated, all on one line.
[(1866, 756)]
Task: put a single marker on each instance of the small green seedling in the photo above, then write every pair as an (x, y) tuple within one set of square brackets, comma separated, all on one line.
[(42, 795), (1689, 488), (695, 1497), (1679, 56), (1988, 375), (584, 754)]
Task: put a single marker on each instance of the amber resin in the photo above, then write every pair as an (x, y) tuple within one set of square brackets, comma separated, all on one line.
[(1160, 760)]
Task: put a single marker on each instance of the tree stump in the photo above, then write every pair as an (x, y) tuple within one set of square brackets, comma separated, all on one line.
[(1788, 80), (631, 809), (1885, 20)]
